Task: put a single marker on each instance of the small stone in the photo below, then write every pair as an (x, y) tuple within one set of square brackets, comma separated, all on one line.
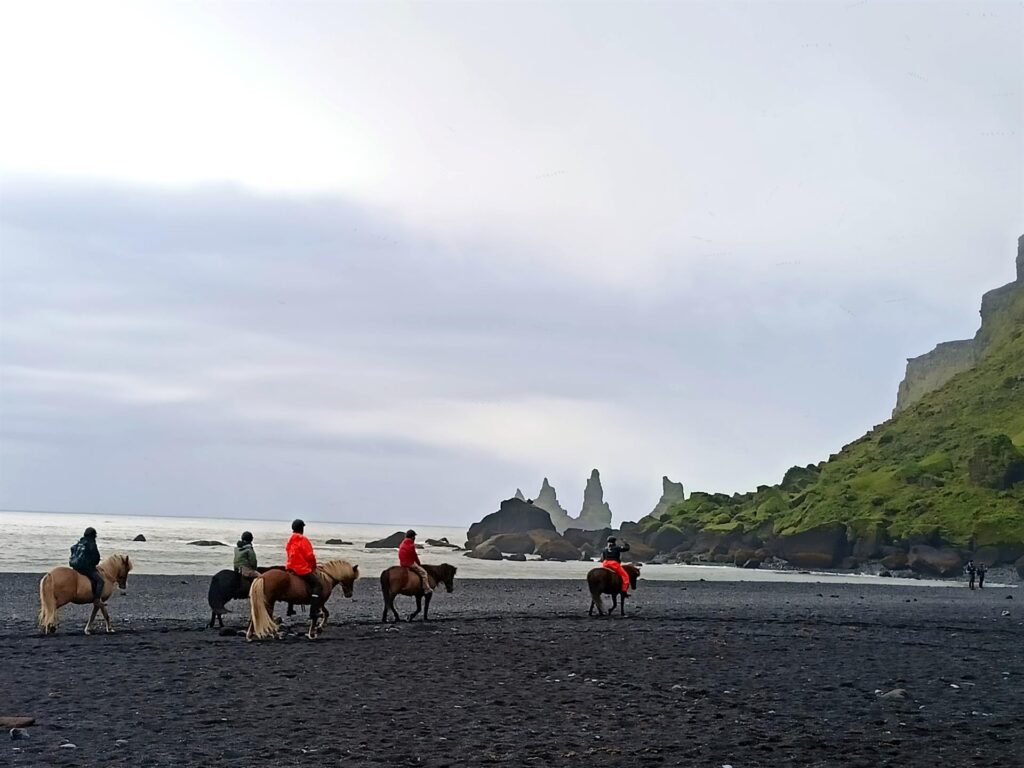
[(1005, 613), (18, 733), (121, 743), (69, 745), (896, 694)]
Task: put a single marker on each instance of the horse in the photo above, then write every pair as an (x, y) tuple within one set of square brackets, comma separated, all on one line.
[(605, 581), (399, 580), (226, 586), (277, 585), (65, 585)]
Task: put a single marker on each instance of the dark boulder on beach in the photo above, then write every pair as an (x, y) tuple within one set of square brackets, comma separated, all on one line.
[(514, 516), (442, 542), (205, 543), (1019, 565), (140, 537), (338, 542), (512, 543), (558, 549), (820, 547), (934, 561), (485, 552), (517, 558), (389, 542)]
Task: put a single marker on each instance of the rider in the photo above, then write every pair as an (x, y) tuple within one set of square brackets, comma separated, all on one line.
[(302, 562), (612, 558), (85, 556), (245, 557), (409, 558)]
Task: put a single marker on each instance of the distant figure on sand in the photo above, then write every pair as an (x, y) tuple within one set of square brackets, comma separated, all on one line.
[(302, 562), (409, 558), (969, 569), (982, 570), (245, 557), (85, 556), (612, 558)]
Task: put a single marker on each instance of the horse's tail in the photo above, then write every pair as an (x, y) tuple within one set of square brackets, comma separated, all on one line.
[(47, 603), (385, 583), (263, 624)]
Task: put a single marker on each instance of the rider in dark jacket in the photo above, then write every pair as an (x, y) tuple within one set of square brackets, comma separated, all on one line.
[(613, 551), (87, 562)]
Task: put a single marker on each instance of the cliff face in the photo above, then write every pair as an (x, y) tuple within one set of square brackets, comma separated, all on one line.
[(933, 370), (671, 493)]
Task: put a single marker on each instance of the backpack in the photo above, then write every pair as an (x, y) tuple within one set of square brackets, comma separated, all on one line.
[(77, 559)]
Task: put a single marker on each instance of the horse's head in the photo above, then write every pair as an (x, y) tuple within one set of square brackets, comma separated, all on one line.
[(343, 573), (446, 574), (634, 573)]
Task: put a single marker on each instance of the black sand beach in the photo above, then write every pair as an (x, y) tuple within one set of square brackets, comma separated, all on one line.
[(700, 673)]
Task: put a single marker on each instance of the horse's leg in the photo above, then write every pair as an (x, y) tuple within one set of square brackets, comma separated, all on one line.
[(615, 603), (106, 618), (324, 615), (419, 606), (426, 605), (394, 610), (88, 624), (622, 605)]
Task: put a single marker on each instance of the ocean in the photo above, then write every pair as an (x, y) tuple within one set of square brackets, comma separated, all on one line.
[(34, 542)]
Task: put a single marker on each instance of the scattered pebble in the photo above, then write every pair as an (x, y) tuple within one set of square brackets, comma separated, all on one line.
[(69, 745), (121, 743), (18, 733)]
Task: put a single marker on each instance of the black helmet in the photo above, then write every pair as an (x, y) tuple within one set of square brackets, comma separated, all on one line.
[(90, 533), (410, 534), (246, 536), (611, 539), (298, 526)]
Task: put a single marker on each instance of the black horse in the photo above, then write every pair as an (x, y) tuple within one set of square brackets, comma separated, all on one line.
[(226, 586)]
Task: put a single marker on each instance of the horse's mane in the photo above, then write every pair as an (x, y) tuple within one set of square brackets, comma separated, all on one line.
[(631, 568), (114, 565), (340, 570)]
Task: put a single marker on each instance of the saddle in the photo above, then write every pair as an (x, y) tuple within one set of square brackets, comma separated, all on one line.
[(410, 571)]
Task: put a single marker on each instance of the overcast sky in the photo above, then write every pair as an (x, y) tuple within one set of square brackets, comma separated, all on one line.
[(387, 262)]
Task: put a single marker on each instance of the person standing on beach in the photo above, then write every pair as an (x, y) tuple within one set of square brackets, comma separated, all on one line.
[(245, 557), (969, 569), (85, 556), (612, 558), (409, 558), (982, 570), (301, 560)]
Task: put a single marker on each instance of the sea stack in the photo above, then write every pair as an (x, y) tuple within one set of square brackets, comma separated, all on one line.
[(547, 500), (596, 514)]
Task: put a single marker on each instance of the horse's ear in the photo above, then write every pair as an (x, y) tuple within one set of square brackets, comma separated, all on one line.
[(355, 569)]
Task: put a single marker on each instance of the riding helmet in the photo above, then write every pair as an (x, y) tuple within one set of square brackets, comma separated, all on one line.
[(410, 534), (298, 526), (246, 536), (611, 539), (90, 533)]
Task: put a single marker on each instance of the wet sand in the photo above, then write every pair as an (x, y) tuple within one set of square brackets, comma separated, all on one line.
[(512, 673)]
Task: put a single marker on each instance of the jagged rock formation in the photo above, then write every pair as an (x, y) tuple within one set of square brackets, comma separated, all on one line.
[(671, 493), (595, 513), (932, 370), (519, 495), (547, 499)]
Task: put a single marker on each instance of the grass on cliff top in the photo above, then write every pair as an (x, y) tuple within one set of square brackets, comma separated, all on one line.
[(908, 475)]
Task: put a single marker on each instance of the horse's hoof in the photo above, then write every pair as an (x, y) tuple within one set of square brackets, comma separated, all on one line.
[(111, 631)]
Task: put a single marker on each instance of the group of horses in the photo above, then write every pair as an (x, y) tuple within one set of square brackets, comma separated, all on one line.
[(62, 586)]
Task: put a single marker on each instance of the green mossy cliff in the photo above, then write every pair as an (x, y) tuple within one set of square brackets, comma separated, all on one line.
[(948, 467)]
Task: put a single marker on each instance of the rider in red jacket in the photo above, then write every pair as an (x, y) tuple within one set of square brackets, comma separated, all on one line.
[(301, 560), (611, 558), (409, 558)]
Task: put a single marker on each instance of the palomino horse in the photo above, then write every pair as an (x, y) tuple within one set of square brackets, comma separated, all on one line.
[(605, 581), (64, 585), (398, 580), (226, 586), (277, 585)]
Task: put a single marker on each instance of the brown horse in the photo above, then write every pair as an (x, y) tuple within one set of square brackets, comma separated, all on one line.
[(605, 581), (64, 585), (398, 580), (282, 585)]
